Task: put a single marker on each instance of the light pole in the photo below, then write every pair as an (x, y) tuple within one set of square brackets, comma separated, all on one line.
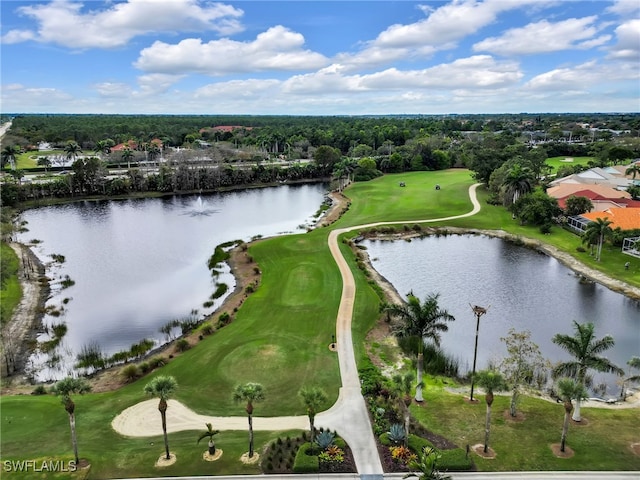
[(478, 311)]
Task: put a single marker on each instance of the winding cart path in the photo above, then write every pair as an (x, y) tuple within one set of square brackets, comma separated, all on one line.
[(348, 416)]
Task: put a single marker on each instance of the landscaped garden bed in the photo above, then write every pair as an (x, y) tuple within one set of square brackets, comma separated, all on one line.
[(327, 454)]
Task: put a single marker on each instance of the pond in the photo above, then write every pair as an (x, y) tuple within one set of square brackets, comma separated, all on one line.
[(136, 265), (522, 289)]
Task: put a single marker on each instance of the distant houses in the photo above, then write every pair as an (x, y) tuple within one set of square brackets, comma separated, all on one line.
[(606, 189)]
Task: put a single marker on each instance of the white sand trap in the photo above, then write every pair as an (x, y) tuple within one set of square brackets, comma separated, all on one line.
[(143, 420)]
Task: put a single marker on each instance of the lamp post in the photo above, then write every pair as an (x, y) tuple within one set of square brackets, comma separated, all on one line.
[(478, 311)]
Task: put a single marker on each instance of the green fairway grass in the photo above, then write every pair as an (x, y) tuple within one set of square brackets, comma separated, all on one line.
[(38, 428), (280, 337), (556, 162)]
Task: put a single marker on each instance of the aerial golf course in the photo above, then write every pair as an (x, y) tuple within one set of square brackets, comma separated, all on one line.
[(279, 338)]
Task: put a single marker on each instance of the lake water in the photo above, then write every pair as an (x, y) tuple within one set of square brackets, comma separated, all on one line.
[(521, 288), (138, 264)]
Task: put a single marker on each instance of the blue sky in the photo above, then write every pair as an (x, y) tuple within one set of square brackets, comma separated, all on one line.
[(320, 57)]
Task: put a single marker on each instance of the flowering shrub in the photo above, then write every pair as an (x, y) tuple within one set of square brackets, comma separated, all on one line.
[(332, 454), (402, 454)]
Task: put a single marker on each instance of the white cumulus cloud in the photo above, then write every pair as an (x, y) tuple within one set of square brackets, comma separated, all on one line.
[(64, 23), (544, 36), (277, 49)]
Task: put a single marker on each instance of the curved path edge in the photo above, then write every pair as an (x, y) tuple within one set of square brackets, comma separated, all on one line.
[(349, 416)]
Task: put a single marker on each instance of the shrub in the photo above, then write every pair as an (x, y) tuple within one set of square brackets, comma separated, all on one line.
[(221, 289), (157, 362), (182, 345), (39, 390), (305, 463), (396, 433), (224, 318), (207, 329), (580, 249), (402, 454), (130, 372), (325, 439), (333, 454), (145, 367), (417, 444)]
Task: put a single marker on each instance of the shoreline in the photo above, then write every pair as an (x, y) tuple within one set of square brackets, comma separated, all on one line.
[(29, 314), (564, 258), (21, 331)]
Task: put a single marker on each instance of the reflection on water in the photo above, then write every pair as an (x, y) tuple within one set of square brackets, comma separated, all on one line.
[(138, 264), (522, 289)]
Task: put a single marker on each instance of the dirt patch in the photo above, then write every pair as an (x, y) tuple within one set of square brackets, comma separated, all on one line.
[(568, 453), (163, 461), (479, 450), (207, 457), (519, 417), (19, 335), (339, 205), (246, 459)]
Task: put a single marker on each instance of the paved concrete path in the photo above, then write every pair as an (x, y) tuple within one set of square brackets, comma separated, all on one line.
[(348, 416)]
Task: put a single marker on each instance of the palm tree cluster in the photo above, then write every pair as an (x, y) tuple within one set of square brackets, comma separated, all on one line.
[(422, 320)]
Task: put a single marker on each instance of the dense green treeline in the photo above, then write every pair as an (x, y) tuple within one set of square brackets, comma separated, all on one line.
[(280, 133)]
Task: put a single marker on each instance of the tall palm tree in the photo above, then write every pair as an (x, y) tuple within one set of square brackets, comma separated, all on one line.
[(491, 381), (162, 387), (585, 350), (9, 154), (402, 385), (64, 389), (249, 393), (72, 149), (424, 321), (568, 389), (127, 155), (313, 398), (519, 180), (598, 229)]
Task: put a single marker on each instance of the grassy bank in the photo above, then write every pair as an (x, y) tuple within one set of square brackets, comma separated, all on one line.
[(10, 290), (280, 338), (525, 444)]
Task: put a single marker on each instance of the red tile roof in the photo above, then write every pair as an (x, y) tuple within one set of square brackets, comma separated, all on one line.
[(625, 218)]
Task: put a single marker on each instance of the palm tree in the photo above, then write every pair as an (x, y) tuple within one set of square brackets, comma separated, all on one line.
[(634, 364), (424, 321), (489, 380), (426, 464), (519, 180), (72, 149), (127, 155), (162, 387), (313, 398), (210, 433), (250, 393), (402, 385), (633, 170), (44, 162), (585, 350), (568, 389), (9, 154), (64, 389), (598, 229)]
